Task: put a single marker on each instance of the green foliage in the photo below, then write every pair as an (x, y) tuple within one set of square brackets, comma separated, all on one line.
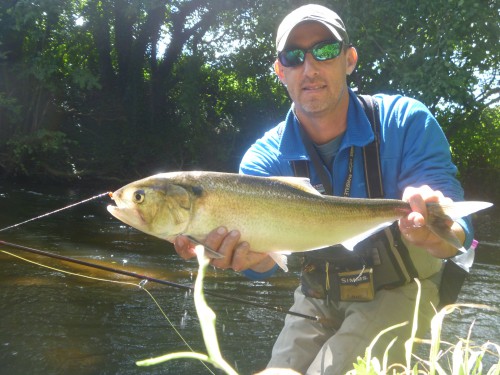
[(444, 53), (43, 154), (475, 145), (476, 140), (10, 108), (157, 85)]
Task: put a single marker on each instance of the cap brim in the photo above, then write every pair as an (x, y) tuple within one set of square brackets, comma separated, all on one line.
[(284, 38)]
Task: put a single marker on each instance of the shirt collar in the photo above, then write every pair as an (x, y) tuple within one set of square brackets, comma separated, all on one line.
[(358, 133)]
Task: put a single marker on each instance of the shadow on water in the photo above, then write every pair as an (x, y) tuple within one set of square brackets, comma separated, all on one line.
[(57, 323)]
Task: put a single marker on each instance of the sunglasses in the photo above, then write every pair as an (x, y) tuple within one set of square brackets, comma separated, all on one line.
[(321, 51)]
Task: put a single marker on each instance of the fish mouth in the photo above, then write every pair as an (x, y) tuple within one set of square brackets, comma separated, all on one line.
[(115, 209), (119, 202), (129, 216), (112, 209), (124, 212), (119, 212)]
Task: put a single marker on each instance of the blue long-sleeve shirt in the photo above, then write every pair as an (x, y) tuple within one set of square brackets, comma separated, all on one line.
[(413, 152)]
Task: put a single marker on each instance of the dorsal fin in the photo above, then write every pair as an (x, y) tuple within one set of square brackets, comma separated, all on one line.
[(300, 183)]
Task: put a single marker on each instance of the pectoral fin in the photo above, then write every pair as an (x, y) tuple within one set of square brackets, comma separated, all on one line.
[(280, 259), (210, 253), (353, 241)]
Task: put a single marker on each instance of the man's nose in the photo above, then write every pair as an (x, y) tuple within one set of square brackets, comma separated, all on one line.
[(310, 65)]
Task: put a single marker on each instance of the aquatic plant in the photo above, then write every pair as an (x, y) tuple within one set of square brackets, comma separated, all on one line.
[(462, 358), (207, 322)]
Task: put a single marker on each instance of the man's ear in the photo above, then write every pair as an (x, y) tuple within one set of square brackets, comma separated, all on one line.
[(351, 60), (278, 69)]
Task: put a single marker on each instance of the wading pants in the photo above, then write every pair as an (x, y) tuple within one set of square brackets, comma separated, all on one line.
[(311, 348)]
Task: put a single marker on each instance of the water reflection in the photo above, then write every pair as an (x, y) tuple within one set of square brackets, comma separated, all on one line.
[(55, 323)]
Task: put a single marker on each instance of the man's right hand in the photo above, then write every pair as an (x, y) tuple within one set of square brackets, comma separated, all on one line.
[(236, 255)]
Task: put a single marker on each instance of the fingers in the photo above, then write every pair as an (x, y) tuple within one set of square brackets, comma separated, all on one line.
[(244, 257), (236, 255), (416, 219), (413, 226), (225, 244), (418, 198), (183, 247), (423, 194)]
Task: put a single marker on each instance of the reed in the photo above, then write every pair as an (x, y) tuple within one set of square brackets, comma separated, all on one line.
[(462, 358), (207, 318)]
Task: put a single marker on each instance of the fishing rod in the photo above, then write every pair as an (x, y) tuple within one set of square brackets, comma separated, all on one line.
[(158, 281)]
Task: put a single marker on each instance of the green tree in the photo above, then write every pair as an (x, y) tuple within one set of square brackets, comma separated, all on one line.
[(475, 147), (444, 53), (147, 85), (39, 63)]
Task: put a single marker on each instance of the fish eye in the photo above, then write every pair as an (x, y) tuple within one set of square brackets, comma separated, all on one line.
[(139, 196)]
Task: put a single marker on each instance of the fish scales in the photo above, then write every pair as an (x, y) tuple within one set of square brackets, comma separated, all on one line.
[(272, 214)]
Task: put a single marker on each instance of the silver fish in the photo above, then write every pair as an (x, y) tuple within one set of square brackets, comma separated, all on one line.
[(273, 214)]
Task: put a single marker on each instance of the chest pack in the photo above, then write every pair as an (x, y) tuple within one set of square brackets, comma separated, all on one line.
[(383, 254)]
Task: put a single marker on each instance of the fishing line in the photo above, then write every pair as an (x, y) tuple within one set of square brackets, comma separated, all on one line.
[(278, 309), (141, 284), (55, 211)]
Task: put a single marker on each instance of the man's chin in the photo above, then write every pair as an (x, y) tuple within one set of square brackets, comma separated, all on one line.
[(314, 107)]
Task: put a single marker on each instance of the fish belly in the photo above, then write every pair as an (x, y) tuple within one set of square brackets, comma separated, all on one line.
[(292, 224)]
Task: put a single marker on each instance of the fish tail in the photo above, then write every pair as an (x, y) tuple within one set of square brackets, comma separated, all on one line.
[(441, 216)]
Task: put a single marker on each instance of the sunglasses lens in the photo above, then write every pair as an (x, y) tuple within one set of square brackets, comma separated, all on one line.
[(292, 57), (326, 51), (322, 51)]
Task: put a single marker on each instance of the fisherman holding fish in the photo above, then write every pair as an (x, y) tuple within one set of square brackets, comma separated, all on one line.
[(325, 137)]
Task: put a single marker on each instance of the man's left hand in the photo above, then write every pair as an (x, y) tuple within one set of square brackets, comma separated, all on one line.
[(413, 227)]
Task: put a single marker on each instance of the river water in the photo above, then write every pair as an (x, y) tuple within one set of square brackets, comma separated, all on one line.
[(59, 323)]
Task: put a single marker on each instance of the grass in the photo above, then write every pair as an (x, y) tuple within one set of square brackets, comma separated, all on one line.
[(207, 323), (462, 358)]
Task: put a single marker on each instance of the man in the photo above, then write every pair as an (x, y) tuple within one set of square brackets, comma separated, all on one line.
[(314, 59)]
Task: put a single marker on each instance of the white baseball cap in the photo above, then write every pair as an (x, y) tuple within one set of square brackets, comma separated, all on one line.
[(311, 12)]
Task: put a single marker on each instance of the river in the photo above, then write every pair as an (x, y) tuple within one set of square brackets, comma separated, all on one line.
[(60, 323)]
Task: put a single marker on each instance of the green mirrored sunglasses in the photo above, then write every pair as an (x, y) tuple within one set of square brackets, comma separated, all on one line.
[(321, 51)]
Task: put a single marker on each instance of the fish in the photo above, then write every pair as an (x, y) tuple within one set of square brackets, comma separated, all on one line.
[(275, 215)]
